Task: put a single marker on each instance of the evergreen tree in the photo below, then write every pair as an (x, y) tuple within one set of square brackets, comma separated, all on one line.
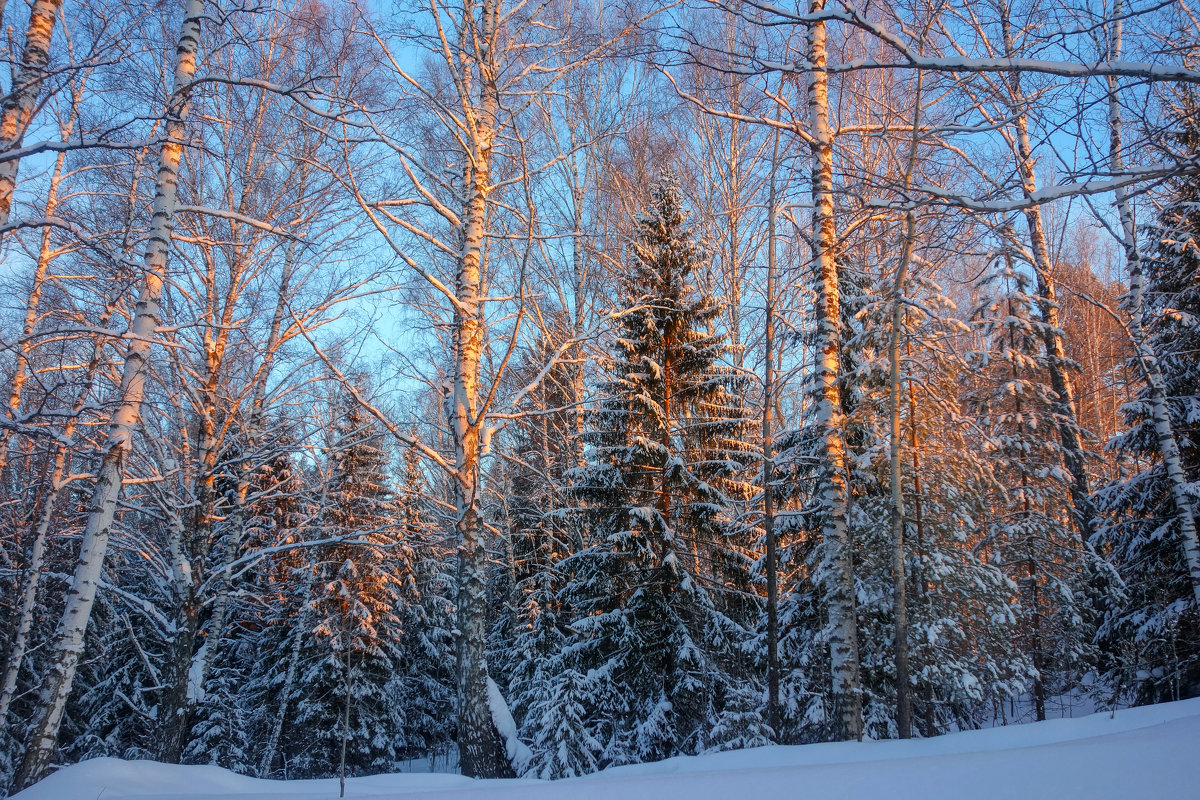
[(661, 594), (542, 448), (234, 720), (426, 685), (1029, 530), (352, 661)]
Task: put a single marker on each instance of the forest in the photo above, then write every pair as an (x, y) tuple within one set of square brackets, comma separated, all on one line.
[(527, 387)]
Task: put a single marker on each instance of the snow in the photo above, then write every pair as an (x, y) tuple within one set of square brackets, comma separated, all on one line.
[(517, 751), (1140, 753), (195, 684)]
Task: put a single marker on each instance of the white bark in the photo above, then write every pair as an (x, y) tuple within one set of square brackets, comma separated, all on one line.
[(895, 467), (69, 638), (289, 681), (847, 695), (18, 107), (33, 305), (57, 482), (895, 471), (480, 750), (768, 448), (1160, 415)]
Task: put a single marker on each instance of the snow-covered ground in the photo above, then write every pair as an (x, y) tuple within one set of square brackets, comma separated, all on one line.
[(1151, 753)]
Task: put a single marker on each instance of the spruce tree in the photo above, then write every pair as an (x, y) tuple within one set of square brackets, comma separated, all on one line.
[(1029, 532), (426, 685), (352, 660), (660, 595), (278, 591)]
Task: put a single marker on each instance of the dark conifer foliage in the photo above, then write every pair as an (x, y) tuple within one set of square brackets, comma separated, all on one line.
[(352, 662), (661, 593), (1029, 533)]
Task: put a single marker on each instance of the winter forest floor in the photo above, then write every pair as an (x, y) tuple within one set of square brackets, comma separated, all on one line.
[(1148, 752)]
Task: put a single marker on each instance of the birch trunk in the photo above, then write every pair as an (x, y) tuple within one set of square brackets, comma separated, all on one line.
[(69, 638), (895, 466), (481, 752), (899, 587), (1074, 458), (18, 107), (931, 728), (733, 271), (1160, 414), (289, 680), (579, 273), (847, 695)]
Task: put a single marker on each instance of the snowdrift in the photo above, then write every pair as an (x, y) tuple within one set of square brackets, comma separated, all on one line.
[(1151, 752)]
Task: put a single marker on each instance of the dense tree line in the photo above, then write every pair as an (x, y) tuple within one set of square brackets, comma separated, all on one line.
[(532, 389)]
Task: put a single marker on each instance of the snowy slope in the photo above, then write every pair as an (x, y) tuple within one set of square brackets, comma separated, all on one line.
[(1148, 753)]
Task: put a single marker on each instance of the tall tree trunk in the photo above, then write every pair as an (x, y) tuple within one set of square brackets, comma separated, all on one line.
[(895, 466), (18, 107), (895, 471), (69, 638), (833, 491), (175, 708), (1037, 656), (289, 680), (733, 270), (481, 751), (32, 308), (1074, 458), (772, 554), (346, 712), (188, 664), (579, 275), (1160, 413), (930, 717)]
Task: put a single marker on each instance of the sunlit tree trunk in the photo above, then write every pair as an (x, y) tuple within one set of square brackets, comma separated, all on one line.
[(481, 751), (827, 411), (56, 482), (1074, 458), (46, 254), (69, 638), (895, 472), (184, 677), (1160, 415), (18, 107), (769, 535), (895, 465)]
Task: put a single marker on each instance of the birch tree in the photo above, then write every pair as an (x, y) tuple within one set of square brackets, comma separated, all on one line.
[(68, 641), (1135, 308), (832, 490), (20, 103), (486, 56)]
